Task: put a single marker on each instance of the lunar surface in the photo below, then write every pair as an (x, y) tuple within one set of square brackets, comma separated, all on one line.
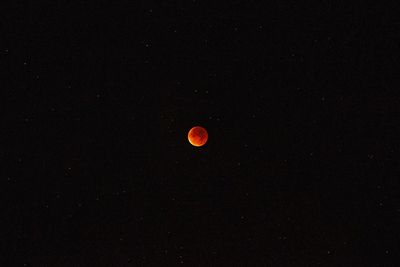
[(197, 136)]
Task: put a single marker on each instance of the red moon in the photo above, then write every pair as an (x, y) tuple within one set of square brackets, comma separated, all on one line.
[(198, 136)]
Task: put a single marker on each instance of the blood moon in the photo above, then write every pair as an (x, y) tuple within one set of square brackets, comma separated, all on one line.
[(197, 136)]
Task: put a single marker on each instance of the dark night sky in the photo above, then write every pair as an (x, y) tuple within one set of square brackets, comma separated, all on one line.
[(301, 167)]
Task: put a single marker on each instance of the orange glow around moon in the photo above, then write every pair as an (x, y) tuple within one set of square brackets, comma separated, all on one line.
[(197, 136)]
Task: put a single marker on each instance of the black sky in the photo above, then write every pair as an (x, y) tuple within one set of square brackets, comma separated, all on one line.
[(300, 102)]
